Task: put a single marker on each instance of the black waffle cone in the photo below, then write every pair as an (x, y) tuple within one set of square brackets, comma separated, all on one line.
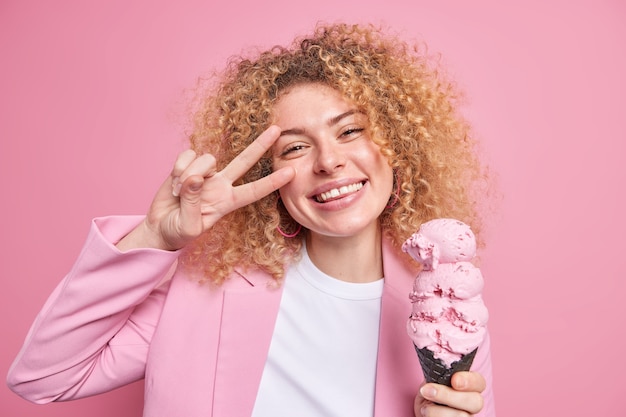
[(436, 371)]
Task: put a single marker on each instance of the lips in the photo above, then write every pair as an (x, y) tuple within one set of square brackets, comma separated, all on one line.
[(339, 192)]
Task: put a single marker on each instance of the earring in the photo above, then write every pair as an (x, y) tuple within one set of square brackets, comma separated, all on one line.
[(283, 233), (289, 235), (395, 195)]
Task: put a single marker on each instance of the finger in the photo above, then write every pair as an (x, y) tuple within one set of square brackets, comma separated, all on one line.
[(190, 221), (251, 155), (425, 408), (203, 166), (471, 402), (468, 381), (182, 162), (434, 410), (248, 193), (419, 405)]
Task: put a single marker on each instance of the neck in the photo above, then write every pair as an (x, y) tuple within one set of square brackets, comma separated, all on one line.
[(351, 259)]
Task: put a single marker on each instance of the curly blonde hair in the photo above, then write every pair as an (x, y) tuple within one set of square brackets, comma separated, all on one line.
[(413, 117)]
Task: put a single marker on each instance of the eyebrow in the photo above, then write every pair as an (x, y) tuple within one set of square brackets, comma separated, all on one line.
[(337, 119), (332, 121)]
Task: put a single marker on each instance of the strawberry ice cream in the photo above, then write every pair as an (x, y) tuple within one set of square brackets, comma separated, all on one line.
[(448, 319)]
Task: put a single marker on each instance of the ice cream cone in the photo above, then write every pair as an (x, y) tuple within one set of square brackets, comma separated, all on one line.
[(436, 371)]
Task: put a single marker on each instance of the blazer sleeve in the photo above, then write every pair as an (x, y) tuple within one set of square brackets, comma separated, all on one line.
[(93, 332)]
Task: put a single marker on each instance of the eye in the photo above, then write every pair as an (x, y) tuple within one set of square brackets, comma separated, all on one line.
[(352, 132), (292, 149)]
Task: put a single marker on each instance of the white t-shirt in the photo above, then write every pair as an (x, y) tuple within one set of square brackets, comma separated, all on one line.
[(322, 358)]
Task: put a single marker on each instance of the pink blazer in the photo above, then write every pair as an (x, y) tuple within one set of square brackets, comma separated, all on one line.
[(116, 318)]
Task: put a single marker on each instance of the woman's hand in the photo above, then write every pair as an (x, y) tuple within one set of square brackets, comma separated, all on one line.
[(195, 196), (463, 399)]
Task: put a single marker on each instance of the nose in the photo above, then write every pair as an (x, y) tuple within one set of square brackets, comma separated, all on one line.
[(329, 159)]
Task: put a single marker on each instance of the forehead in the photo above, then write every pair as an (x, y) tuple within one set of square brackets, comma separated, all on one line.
[(309, 100)]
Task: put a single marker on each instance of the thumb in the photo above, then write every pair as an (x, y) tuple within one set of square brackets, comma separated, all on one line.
[(190, 206), (190, 192), (193, 185)]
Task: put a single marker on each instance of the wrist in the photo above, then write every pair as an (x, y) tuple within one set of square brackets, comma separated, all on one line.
[(142, 237)]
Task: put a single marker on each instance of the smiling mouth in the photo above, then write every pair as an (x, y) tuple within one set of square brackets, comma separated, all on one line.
[(338, 192)]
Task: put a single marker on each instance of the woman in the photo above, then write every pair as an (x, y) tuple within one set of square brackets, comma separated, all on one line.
[(266, 277)]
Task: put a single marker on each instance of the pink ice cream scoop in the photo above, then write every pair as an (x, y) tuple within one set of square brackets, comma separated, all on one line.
[(448, 314)]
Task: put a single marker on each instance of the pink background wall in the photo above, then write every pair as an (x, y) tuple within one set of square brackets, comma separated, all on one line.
[(90, 104)]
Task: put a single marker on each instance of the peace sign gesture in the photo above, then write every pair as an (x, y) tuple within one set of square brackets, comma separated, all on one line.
[(196, 195)]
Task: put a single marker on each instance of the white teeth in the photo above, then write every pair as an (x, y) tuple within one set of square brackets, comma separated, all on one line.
[(336, 192)]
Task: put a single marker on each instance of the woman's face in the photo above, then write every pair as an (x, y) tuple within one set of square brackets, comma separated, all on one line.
[(343, 182)]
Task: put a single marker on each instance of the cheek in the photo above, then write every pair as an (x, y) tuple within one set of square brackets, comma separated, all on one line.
[(389, 180), (277, 164), (386, 178), (384, 170), (288, 195), (289, 191)]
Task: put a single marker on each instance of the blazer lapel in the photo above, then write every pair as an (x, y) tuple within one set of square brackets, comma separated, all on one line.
[(398, 374), (248, 319)]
